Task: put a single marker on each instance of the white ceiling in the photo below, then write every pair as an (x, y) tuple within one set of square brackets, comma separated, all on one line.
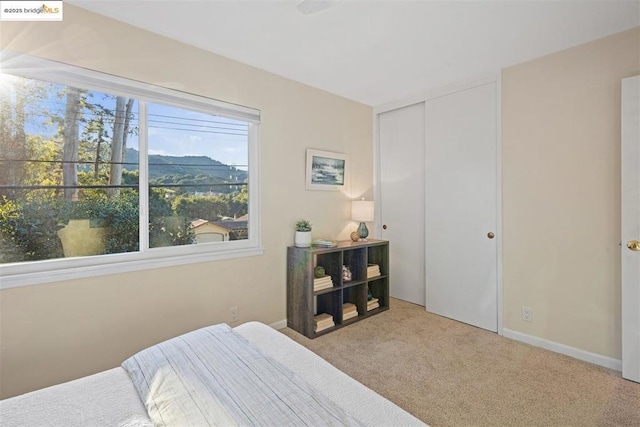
[(378, 51)]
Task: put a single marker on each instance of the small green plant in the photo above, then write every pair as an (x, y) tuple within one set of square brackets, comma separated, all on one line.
[(303, 225)]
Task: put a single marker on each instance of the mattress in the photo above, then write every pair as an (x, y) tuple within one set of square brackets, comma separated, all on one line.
[(105, 399), (109, 397)]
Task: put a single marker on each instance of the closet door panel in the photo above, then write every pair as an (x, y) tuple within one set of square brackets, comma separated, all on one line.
[(401, 136), (461, 194)]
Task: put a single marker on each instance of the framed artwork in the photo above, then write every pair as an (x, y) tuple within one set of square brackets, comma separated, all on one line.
[(325, 170)]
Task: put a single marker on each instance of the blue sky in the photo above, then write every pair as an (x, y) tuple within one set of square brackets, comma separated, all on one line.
[(172, 131), (178, 132)]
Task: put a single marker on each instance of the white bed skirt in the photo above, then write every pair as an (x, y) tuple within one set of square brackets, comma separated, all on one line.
[(110, 399)]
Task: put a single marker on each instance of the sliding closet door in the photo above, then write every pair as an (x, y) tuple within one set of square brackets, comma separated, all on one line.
[(631, 228), (401, 136), (461, 194)]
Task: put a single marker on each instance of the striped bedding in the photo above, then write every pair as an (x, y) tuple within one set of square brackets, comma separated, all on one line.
[(214, 376)]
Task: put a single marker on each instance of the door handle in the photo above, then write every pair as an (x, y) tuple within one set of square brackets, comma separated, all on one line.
[(634, 245), (491, 235)]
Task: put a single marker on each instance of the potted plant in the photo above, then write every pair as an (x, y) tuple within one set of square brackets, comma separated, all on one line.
[(303, 234)]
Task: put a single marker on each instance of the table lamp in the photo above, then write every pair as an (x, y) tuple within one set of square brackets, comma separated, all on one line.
[(362, 211)]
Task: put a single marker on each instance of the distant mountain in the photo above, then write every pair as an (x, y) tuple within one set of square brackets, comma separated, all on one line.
[(194, 166)]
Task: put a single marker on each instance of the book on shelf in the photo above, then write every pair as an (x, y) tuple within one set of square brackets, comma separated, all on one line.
[(348, 306), (373, 306), (323, 317), (373, 270), (323, 324), (320, 328), (324, 243), (351, 315), (323, 321), (323, 283), (349, 311), (320, 283)]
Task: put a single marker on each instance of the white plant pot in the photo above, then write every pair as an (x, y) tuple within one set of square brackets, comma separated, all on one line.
[(303, 239)]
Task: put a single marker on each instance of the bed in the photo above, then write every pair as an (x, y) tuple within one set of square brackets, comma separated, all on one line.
[(112, 397)]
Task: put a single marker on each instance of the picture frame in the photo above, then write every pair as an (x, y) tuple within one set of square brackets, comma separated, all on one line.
[(326, 171)]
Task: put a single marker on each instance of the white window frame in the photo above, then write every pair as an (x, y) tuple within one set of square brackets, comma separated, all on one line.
[(53, 270)]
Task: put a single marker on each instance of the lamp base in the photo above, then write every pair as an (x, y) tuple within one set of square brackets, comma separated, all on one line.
[(363, 232)]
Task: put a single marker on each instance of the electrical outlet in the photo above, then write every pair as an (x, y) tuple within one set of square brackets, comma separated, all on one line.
[(526, 314), (233, 314)]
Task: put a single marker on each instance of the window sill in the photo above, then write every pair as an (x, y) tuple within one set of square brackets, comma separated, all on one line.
[(78, 268)]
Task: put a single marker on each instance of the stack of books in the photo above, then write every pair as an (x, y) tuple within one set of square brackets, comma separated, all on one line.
[(320, 283), (323, 243), (323, 321), (372, 304), (349, 311), (373, 270)]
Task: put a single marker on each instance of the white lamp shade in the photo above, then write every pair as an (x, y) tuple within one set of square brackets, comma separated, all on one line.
[(362, 210)]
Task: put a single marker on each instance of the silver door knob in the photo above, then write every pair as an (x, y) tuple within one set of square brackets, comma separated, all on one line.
[(491, 235), (384, 226)]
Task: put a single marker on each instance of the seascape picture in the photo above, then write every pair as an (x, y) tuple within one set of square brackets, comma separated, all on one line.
[(327, 171)]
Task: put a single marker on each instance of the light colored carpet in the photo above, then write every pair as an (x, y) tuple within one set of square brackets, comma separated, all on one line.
[(448, 373)]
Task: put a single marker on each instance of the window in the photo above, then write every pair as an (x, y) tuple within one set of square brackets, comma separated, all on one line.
[(100, 174)]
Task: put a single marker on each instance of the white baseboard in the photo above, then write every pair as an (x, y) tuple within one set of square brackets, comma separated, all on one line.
[(586, 356), (281, 324)]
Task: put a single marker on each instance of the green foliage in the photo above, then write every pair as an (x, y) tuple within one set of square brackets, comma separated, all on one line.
[(130, 177), (122, 222), (93, 205), (239, 203), (28, 231), (44, 171), (28, 228), (210, 208), (123, 228), (199, 173), (33, 129), (165, 228), (303, 225)]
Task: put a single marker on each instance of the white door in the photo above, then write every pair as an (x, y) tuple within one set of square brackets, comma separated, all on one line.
[(401, 193), (631, 228), (461, 194)]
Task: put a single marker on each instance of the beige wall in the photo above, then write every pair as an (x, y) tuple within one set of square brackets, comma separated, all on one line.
[(561, 192), (60, 331), (561, 201)]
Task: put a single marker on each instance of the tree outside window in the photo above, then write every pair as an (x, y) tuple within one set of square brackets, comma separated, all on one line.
[(70, 167)]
